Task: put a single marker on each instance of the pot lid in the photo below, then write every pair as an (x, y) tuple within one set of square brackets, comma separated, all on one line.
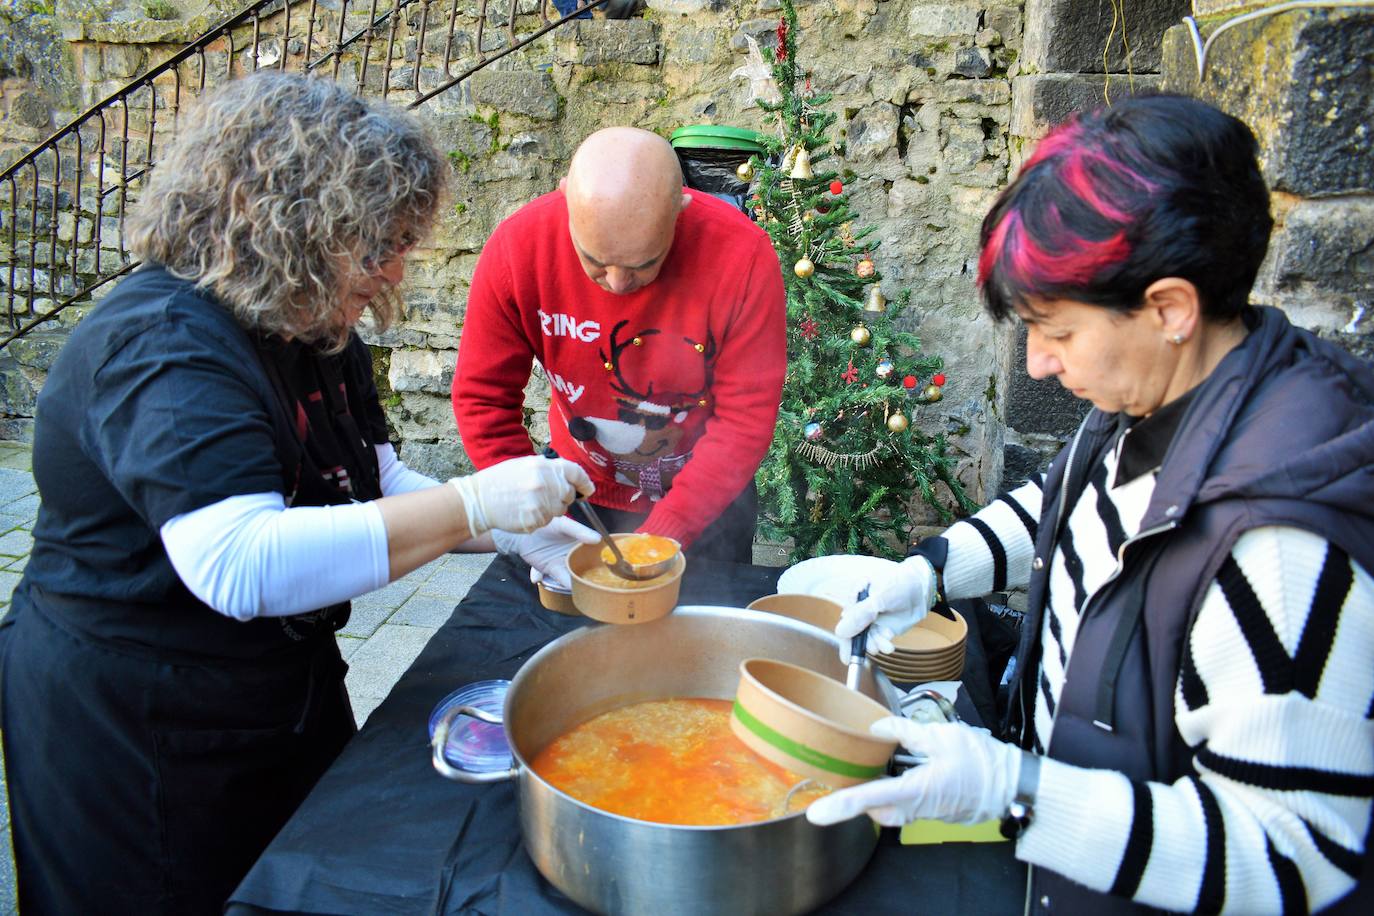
[(472, 744), (716, 136)]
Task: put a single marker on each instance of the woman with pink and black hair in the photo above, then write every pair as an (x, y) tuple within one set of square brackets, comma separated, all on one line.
[(1191, 724)]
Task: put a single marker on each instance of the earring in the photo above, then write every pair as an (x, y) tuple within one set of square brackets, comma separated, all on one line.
[(1177, 339)]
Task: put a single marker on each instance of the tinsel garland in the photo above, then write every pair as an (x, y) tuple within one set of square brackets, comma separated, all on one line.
[(824, 456)]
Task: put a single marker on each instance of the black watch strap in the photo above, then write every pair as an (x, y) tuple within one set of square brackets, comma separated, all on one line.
[(936, 552), (1022, 808)]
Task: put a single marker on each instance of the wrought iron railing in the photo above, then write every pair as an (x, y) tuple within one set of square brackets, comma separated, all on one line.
[(63, 204)]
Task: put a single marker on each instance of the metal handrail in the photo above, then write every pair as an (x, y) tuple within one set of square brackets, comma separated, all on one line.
[(73, 238), (1202, 48)]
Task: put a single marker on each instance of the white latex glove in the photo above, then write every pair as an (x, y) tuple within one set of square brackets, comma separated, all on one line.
[(520, 494), (547, 549), (896, 602), (970, 777)]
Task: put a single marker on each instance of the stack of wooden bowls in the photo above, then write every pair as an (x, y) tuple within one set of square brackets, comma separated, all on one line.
[(933, 650)]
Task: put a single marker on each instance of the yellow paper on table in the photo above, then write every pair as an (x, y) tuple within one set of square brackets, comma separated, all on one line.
[(920, 833)]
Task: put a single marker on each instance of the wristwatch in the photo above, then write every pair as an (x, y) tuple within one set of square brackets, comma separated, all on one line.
[(1022, 807), (935, 551)]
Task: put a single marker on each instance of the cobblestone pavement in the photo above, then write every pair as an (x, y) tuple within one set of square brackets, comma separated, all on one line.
[(387, 630)]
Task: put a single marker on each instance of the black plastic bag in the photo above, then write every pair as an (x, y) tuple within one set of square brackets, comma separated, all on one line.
[(713, 170)]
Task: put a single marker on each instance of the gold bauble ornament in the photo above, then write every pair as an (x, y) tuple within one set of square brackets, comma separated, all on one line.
[(745, 172), (876, 301), (804, 268), (865, 269), (933, 393), (898, 422), (860, 335)]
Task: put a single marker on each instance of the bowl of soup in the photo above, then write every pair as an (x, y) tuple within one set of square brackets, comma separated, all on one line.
[(809, 723), (599, 593)]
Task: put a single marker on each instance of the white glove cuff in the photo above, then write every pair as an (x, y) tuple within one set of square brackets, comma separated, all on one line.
[(472, 505)]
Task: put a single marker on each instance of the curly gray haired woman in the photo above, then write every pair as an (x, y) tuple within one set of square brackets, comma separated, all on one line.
[(216, 486), (280, 192)]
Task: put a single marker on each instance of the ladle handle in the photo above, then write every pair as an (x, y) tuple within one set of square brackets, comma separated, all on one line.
[(858, 648), (621, 565)]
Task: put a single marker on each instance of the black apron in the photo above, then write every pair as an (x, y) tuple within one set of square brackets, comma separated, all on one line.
[(153, 752)]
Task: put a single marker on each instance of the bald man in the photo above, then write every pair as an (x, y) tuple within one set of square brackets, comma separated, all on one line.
[(658, 317)]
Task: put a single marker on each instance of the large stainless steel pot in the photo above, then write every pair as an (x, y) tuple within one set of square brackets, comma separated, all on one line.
[(613, 864)]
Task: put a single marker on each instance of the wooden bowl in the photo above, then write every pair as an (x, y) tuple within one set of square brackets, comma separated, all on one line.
[(561, 602), (637, 603), (935, 633), (809, 724), (819, 612), (950, 671)]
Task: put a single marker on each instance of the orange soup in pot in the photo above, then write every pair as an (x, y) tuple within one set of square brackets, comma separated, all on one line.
[(673, 762)]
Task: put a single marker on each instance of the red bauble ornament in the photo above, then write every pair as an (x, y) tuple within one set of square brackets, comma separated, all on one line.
[(909, 382), (938, 379), (837, 187)]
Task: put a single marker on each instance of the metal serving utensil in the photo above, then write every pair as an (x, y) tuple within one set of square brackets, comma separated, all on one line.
[(785, 805), (620, 566), (858, 650)]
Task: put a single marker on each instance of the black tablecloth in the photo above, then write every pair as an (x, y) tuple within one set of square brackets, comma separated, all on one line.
[(382, 832)]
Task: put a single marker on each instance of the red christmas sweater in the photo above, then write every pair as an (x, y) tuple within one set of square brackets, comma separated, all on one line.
[(667, 395)]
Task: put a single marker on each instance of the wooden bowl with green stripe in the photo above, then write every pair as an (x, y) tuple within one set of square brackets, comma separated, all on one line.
[(808, 723)]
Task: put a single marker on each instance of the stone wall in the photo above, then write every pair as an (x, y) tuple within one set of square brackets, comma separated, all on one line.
[(924, 95), (938, 103), (1301, 80), (924, 100)]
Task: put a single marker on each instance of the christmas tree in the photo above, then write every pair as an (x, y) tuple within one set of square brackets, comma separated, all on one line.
[(846, 459)]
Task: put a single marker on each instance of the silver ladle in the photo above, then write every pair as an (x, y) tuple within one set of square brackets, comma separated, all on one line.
[(620, 566)]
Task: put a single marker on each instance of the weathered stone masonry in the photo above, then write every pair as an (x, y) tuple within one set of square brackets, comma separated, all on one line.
[(938, 103)]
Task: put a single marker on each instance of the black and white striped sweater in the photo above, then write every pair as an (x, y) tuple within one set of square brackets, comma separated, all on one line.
[(1281, 802)]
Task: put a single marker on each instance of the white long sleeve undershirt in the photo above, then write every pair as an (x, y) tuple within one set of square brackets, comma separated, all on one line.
[(250, 556)]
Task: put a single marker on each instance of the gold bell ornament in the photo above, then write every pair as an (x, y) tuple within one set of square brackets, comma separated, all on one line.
[(860, 335), (876, 301), (789, 158), (801, 168), (933, 393), (897, 421), (745, 172), (804, 268)]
